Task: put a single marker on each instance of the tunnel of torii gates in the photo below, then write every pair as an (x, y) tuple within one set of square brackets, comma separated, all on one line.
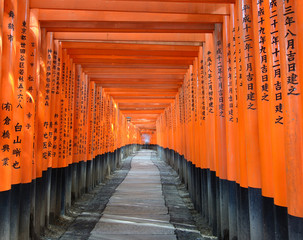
[(213, 85)]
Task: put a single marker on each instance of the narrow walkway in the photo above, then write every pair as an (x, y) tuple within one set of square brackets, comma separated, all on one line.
[(137, 208)]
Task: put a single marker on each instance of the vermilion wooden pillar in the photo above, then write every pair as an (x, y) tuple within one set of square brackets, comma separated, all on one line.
[(6, 113), (220, 126), (288, 26), (243, 212), (262, 40)]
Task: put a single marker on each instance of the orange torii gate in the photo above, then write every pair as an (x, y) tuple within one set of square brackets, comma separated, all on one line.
[(215, 84)]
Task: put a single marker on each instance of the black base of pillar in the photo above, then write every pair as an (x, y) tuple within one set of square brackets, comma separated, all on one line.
[(15, 211), (243, 214), (295, 227), (5, 201), (232, 210), (25, 210), (281, 223)]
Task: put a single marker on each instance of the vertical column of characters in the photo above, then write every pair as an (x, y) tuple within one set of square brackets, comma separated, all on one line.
[(261, 42), (44, 99), (20, 74), (201, 108), (55, 114), (191, 102), (90, 117), (78, 103), (65, 153), (51, 88), (98, 110), (68, 104), (47, 124), (207, 75), (243, 228), (61, 159), (71, 96), (229, 100), (94, 138), (29, 108), (291, 65), (219, 101), (85, 110), (241, 98), (196, 116), (195, 113), (6, 98), (210, 116), (276, 117), (249, 85), (33, 83)]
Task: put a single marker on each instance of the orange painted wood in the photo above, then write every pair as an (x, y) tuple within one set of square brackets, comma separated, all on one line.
[(263, 69), (115, 16), (20, 75), (128, 46), (210, 107), (135, 6), (220, 104), (130, 52), (7, 86), (242, 178), (292, 102), (201, 107), (99, 36)]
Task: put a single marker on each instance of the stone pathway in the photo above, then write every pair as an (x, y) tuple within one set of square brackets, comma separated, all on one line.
[(137, 208)]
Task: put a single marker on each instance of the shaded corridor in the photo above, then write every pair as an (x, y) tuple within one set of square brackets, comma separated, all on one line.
[(146, 205)]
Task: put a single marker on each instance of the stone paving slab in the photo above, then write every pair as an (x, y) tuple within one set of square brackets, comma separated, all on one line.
[(137, 208), (133, 237)]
